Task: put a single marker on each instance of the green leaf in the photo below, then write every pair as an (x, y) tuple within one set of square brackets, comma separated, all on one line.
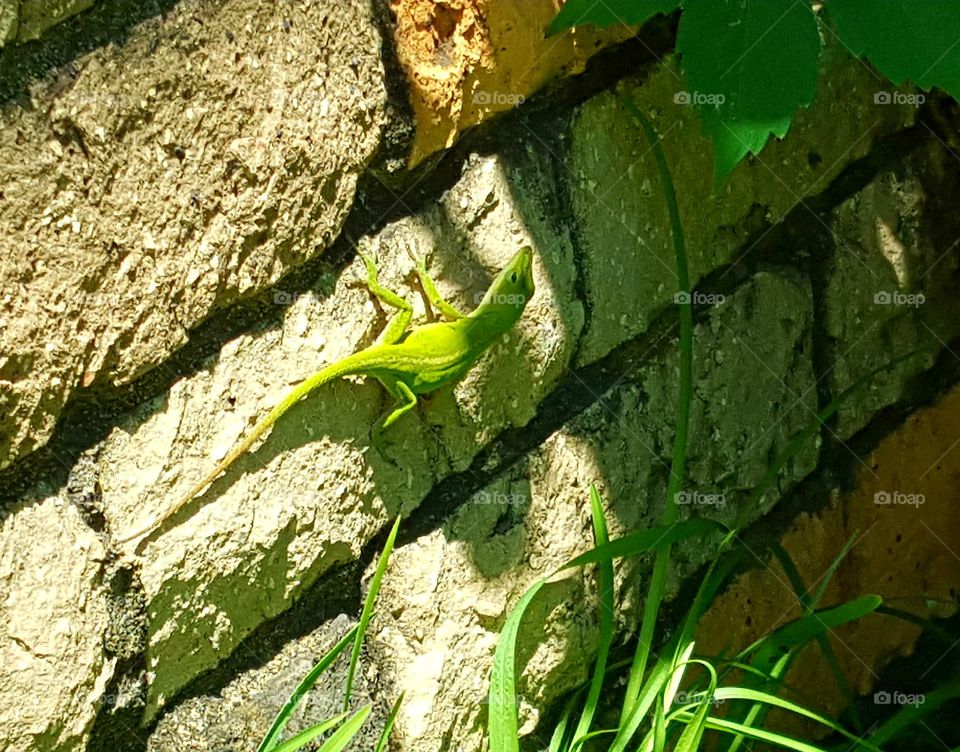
[(743, 693), (608, 13), (689, 741), (905, 39), (650, 692), (502, 714), (749, 65), (559, 737)]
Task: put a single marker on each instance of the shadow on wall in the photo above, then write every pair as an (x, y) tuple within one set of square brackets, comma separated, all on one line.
[(108, 21)]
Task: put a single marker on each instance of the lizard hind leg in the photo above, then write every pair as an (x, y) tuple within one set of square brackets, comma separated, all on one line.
[(407, 400)]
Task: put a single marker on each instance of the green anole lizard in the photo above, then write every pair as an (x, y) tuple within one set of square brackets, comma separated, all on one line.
[(406, 362)]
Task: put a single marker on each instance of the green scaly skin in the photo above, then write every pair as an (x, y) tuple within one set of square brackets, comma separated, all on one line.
[(406, 361)]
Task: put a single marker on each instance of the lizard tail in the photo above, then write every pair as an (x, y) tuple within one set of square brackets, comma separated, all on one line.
[(301, 390)]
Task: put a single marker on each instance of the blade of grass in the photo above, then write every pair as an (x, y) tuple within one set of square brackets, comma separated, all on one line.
[(502, 724), (642, 541), (787, 742), (910, 715), (743, 693), (832, 570), (388, 726), (661, 562), (649, 692), (307, 736), (659, 727), (689, 740), (677, 675), (367, 612), (928, 625), (800, 630), (605, 586), (559, 736), (810, 603), (654, 684), (776, 650), (273, 735), (344, 735)]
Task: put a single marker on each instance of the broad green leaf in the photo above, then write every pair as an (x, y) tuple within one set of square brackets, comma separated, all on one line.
[(906, 40), (608, 13), (749, 65)]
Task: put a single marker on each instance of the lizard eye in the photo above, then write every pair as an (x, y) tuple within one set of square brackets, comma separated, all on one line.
[(513, 278)]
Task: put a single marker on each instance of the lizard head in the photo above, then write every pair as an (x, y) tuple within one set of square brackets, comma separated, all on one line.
[(513, 287)]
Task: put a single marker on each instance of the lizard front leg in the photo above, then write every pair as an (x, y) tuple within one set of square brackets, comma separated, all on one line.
[(400, 321), (450, 313)]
